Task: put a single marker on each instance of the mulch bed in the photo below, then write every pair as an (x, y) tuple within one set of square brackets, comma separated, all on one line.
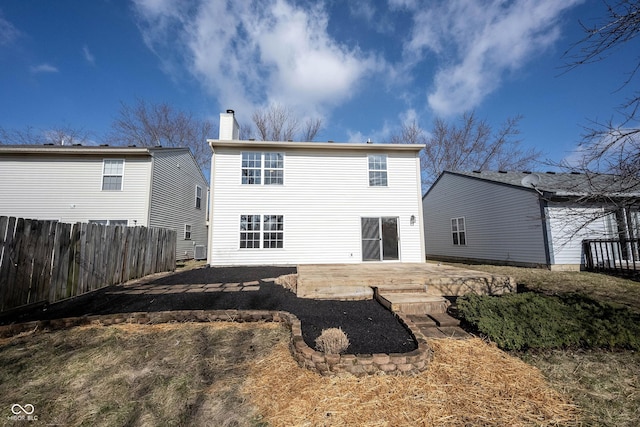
[(370, 327)]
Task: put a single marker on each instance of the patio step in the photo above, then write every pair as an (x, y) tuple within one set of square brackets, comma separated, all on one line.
[(413, 302), (401, 288)]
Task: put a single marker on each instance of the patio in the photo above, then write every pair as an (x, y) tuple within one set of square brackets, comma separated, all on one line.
[(357, 281)]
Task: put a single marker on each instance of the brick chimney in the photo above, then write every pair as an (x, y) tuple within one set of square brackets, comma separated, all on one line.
[(229, 128)]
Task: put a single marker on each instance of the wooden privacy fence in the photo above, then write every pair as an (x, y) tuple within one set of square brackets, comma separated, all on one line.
[(613, 255), (50, 260)]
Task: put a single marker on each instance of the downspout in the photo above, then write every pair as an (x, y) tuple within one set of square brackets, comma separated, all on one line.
[(211, 190), (150, 196), (420, 222)]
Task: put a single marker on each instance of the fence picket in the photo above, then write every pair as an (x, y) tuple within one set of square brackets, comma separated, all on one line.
[(48, 260)]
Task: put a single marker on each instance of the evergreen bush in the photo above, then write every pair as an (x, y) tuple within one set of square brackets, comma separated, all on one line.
[(532, 320)]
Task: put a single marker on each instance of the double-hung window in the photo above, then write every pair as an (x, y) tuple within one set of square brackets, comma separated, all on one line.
[(187, 232), (261, 231), (458, 231), (377, 170), (198, 197), (112, 174), (252, 168), (273, 235), (262, 168), (273, 169)]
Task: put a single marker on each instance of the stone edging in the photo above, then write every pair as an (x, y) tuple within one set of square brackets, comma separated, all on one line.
[(324, 364)]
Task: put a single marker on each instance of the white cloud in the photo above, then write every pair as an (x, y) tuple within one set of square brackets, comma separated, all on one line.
[(250, 54), (43, 68), (8, 33), (88, 56), (478, 42), (374, 135), (400, 4), (363, 10)]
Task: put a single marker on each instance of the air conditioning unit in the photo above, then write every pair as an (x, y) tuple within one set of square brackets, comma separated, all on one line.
[(200, 252)]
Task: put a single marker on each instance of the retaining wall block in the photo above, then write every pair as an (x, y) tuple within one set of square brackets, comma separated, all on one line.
[(306, 357)]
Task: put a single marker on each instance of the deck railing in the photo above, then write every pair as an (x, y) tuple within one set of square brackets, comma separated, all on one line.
[(612, 255)]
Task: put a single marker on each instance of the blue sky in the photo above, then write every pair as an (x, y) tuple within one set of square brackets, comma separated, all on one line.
[(363, 66)]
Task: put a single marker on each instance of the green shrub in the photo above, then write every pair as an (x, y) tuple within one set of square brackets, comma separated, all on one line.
[(531, 320)]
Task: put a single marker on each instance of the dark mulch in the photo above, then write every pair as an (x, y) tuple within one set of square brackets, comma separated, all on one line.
[(370, 327)]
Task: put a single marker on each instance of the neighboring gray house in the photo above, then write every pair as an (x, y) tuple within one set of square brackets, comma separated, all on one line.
[(524, 218), (152, 187)]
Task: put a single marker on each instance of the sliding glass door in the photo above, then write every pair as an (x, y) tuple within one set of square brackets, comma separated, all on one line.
[(380, 239)]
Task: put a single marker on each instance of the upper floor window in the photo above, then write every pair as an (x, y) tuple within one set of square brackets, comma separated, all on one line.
[(198, 197), (377, 170), (112, 174), (262, 168), (458, 231)]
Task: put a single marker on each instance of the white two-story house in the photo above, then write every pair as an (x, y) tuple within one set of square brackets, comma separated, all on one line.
[(132, 186), (288, 203)]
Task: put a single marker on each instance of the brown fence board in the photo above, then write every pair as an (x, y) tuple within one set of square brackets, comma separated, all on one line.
[(6, 239), (48, 260)]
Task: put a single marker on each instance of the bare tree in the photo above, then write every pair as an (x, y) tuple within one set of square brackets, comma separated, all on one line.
[(57, 135), (608, 155), (148, 125), (279, 123), (470, 145), (614, 145)]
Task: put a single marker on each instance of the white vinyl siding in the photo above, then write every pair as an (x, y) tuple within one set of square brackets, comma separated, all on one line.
[(570, 224), (502, 223), (325, 196), (69, 188)]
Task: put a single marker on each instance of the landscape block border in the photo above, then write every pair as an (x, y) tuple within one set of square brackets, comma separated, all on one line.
[(324, 364)]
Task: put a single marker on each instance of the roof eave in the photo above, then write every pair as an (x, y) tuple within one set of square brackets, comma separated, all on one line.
[(315, 145)]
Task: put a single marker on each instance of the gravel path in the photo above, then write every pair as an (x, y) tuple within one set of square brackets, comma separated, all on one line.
[(370, 327)]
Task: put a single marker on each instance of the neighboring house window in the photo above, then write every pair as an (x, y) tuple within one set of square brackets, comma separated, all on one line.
[(458, 231), (112, 173), (262, 168), (377, 170), (198, 197), (266, 231), (187, 232)]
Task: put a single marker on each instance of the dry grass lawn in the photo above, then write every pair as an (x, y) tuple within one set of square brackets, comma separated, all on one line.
[(604, 384), (598, 286), (226, 374)]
